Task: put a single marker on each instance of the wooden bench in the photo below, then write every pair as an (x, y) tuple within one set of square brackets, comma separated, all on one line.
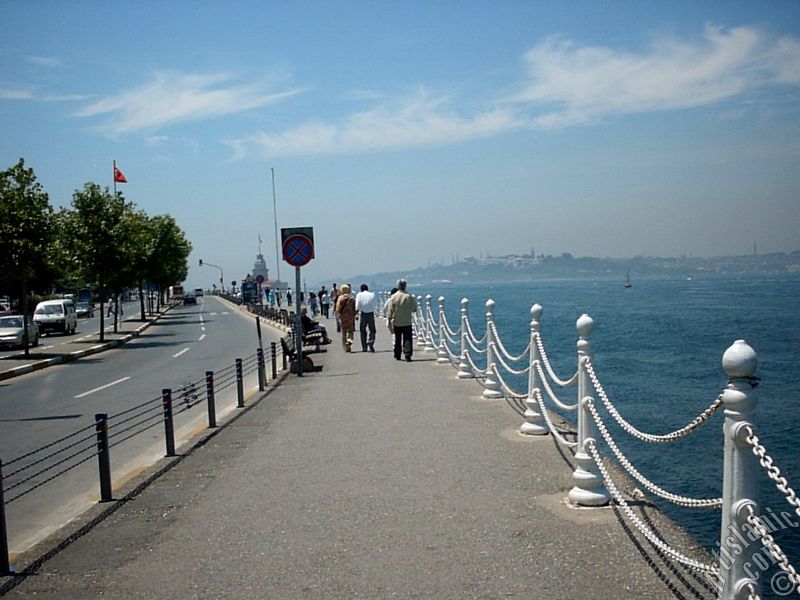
[(291, 354), (313, 339)]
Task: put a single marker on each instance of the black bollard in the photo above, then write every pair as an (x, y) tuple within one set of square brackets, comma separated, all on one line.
[(169, 432), (212, 408), (262, 375), (274, 355), (5, 564), (239, 384), (103, 456)]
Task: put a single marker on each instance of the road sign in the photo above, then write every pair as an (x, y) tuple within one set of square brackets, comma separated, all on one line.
[(298, 245)]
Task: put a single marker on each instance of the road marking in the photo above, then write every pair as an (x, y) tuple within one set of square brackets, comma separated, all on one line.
[(102, 387), (201, 337), (184, 351), (48, 347)]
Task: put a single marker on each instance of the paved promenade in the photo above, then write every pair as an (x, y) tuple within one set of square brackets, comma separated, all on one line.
[(370, 478)]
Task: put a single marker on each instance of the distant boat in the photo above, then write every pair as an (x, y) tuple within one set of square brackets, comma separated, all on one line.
[(628, 281), (689, 278), (442, 281)]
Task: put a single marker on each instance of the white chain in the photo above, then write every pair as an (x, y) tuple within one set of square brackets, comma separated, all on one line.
[(452, 331), (769, 543), (658, 491), (499, 356), (479, 372), (509, 391), (773, 472), (502, 348), (546, 361), (471, 335), (472, 345), (649, 437), (654, 539), (563, 406), (752, 594), (550, 425)]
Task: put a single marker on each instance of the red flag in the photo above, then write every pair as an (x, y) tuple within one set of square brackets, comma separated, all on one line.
[(119, 176)]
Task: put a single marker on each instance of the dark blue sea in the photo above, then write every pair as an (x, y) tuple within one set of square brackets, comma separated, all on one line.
[(657, 350)]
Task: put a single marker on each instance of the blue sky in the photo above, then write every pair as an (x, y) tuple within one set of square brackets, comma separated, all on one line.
[(410, 133)]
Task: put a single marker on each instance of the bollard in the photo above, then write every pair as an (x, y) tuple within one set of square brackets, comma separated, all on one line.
[(239, 384), (464, 368), (103, 456), (5, 563), (443, 357), (262, 384), (169, 431), (273, 354), (492, 388), (589, 489), (212, 408), (534, 421), (739, 474), (283, 359)]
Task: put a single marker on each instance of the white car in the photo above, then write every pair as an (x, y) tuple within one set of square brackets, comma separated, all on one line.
[(11, 332), (56, 315)]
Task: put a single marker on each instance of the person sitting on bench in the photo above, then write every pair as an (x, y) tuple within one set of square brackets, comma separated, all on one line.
[(312, 327)]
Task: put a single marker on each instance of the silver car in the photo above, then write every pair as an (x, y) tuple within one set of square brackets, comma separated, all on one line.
[(11, 331)]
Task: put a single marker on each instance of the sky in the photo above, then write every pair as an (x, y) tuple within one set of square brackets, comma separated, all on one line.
[(413, 133)]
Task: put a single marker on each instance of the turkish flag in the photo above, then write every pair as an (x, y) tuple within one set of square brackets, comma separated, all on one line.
[(119, 176)]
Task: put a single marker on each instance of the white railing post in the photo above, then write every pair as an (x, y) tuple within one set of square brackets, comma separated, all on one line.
[(444, 355), (589, 489), (421, 321), (534, 421), (429, 329), (739, 471), (492, 388), (464, 368)]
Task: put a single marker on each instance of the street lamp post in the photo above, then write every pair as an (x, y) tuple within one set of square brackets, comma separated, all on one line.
[(221, 274)]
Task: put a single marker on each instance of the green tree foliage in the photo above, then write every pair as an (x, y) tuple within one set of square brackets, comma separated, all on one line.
[(101, 241), (167, 262), (26, 231)]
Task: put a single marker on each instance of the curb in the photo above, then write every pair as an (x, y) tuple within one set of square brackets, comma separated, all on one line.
[(78, 354)]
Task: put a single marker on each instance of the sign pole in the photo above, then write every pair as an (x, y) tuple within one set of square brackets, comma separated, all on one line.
[(298, 250), (298, 323)]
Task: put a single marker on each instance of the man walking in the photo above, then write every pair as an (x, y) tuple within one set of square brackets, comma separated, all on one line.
[(402, 306), (367, 305)]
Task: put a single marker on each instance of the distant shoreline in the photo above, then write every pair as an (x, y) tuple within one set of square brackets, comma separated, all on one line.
[(521, 269)]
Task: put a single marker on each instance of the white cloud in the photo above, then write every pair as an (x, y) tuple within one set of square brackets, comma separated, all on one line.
[(15, 93), (174, 98), (45, 61), (581, 83), (416, 122)]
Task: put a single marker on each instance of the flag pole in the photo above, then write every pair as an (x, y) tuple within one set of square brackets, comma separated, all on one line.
[(275, 213), (114, 177)]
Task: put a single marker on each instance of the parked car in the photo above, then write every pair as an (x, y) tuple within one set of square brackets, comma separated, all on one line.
[(84, 309), (11, 332), (189, 299), (56, 315)]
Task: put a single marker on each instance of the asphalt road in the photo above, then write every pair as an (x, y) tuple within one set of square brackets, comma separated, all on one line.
[(43, 406)]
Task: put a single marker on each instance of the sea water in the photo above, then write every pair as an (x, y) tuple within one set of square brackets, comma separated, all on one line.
[(658, 348)]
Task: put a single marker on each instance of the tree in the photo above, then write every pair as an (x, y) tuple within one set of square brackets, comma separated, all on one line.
[(95, 235), (168, 259), (26, 234)]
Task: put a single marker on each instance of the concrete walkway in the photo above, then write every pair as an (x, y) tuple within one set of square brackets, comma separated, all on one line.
[(371, 478)]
